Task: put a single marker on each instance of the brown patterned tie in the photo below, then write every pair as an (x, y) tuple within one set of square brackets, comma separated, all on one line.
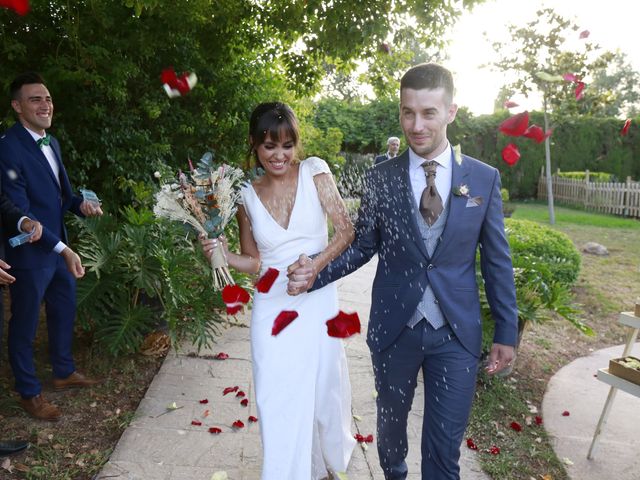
[(430, 202)]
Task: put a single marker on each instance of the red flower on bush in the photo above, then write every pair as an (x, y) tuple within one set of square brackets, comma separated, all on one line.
[(215, 430), (343, 325), (494, 450), (266, 281), (538, 420), (283, 319), (471, 444)]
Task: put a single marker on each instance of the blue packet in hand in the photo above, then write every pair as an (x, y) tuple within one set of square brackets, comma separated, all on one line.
[(20, 239), (90, 196)]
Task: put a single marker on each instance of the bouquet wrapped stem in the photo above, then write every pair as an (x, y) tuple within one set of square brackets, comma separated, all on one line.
[(220, 268)]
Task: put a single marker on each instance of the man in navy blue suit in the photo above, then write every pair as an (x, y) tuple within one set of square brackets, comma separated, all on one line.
[(426, 213), (393, 146), (35, 180), (11, 222)]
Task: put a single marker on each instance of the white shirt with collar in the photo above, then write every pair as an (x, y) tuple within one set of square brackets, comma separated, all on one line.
[(53, 163), (444, 173)]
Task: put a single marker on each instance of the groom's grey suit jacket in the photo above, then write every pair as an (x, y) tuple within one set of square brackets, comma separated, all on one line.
[(387, 225)]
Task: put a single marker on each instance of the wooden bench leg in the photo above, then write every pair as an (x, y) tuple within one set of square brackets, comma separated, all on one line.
[(602, 422)]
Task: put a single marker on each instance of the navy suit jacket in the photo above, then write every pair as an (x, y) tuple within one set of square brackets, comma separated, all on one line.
[(28, 181), (387, 225), (381, 158)]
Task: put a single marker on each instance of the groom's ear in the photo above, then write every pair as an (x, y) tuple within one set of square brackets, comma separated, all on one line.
[(453, 110)]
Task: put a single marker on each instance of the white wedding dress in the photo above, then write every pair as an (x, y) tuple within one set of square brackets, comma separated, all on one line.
[(301, 379)]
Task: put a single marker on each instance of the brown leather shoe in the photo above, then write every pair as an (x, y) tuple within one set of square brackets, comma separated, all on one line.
[(75, 380), (39, 408)]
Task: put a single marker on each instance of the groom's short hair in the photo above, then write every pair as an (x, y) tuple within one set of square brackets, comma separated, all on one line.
[(428, 76)]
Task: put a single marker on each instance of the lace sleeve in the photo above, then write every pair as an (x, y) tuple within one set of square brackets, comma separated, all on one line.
[(317, 166)]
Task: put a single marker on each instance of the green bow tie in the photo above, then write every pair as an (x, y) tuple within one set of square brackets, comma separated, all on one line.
[(44, 141)]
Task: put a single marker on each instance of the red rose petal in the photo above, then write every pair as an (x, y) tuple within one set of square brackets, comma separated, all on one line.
[(168, 76), (222, 356), (510, 104), (244, 402), (566, 413), (234, 296), (230, 389), (369, 438), (283, 319), (343, 325), (516, 125), (538, 420), (516, 426), (266, 281), (584, 34), (204, 401), (215, 430), (253, 419), (570, 77), (238, 424), (196, 423), (21, 7), (233, 309), (240, 394), (359, 438), (536, 133), (510, 154), (471, 444), (494, 450), (579, 90), (205, 414), (625, 128)]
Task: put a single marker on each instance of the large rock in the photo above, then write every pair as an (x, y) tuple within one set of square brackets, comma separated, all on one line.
[(595, 249)]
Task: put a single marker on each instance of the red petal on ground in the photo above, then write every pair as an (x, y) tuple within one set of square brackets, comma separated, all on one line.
[(205, 414), (215, 430), (266, 281), (359, 438), (238, 424), (471, 444), (510, 154), (510, 104), (515, 125), (222, 356), (196, 423), (369, 438), (253, 419), (538, 420), (240, 394), (204, 401), (566, 413), (585, 34), (230, 389), (235, 293), (343, 325), (579, 90), (244, 402), (21, 7), (570, 77), (494, 450), (516, 426), (283, 319), (625, 129)]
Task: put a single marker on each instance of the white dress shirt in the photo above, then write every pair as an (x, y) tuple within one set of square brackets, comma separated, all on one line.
[(444, 172)]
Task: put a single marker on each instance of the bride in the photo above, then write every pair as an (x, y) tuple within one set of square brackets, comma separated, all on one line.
[(301, 379)]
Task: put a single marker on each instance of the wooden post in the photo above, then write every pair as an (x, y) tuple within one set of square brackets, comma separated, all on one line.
[(627, 198)]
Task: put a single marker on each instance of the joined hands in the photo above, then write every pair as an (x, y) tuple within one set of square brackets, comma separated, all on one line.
[(302, 273)]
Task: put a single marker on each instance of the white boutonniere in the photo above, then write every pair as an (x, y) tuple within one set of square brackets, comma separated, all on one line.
[(461, 190), (457, 154)]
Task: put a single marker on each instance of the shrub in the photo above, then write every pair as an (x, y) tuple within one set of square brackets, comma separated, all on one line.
[(593, 176), (542, 244)]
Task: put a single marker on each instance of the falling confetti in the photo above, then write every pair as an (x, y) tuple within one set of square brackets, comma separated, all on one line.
[(510, 154), (515, 125)]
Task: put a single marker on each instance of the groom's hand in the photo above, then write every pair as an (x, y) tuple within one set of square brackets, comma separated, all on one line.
[(301, 275), (500, 357)]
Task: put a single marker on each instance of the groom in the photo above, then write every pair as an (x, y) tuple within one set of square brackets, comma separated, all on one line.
[(425, 213)]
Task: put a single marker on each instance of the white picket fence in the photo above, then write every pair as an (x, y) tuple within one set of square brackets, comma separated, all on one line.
[(615, 198)]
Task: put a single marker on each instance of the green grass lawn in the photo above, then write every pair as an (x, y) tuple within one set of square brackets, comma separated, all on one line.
[(606, 285)]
